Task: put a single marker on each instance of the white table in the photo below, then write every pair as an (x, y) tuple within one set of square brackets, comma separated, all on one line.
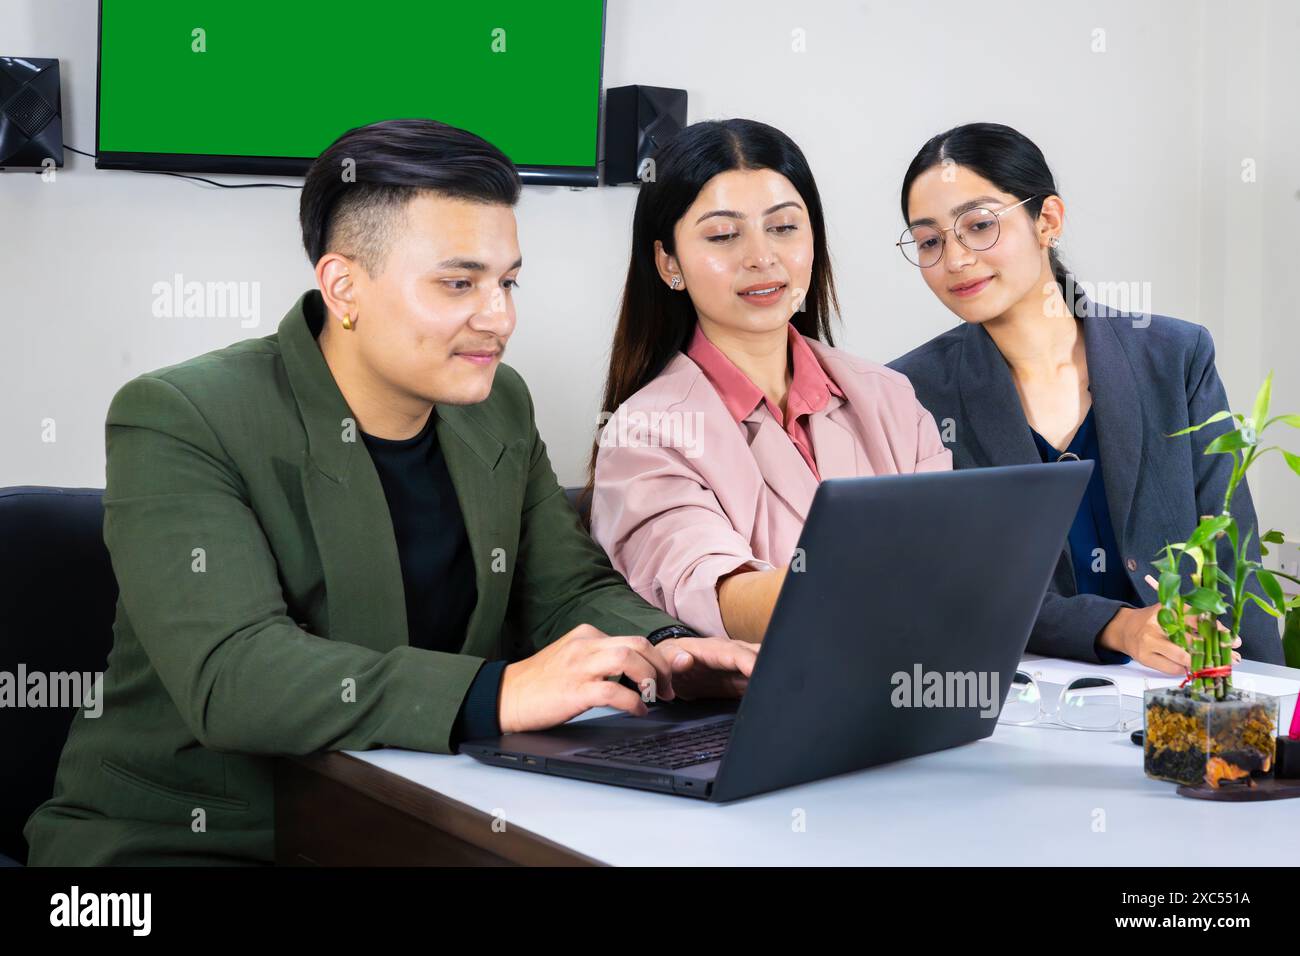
[(1025, 796)]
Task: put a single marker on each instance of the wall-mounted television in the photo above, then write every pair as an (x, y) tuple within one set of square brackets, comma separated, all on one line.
[(263, 86)]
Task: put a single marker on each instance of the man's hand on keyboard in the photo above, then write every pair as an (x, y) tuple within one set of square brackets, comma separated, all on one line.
[(708, 666)]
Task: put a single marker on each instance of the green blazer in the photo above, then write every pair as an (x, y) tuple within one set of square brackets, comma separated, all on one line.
[(261, 610)]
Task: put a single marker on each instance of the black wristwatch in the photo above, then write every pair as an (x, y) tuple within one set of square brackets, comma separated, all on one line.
[(672, 630)]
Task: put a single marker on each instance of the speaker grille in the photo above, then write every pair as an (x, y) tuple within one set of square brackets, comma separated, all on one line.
[(29, 111)]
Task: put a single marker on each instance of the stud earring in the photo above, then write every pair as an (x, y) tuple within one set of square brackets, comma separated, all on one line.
[(1054, 241), (347, 322), (676, 283)]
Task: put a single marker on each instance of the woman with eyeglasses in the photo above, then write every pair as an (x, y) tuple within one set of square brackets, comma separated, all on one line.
[(726, 402), (1038, 372)]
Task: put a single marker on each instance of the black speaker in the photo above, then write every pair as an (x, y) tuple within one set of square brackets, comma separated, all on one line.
[(31, 122), (638, 121)]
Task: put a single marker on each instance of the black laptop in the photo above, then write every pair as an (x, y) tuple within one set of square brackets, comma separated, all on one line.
[(897, 632)]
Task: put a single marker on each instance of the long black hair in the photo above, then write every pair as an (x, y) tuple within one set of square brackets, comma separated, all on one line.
[(654, 322), (1011, 162)]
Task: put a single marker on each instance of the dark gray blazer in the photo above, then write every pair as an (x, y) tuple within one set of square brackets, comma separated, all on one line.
[(1147, 381)]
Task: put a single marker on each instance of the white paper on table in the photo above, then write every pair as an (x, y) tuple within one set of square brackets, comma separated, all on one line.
[(1133, 679)]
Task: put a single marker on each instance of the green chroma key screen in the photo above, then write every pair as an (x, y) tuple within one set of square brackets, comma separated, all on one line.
[(284, 78)]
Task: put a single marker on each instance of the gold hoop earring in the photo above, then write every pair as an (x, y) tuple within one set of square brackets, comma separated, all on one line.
[(347, 322)]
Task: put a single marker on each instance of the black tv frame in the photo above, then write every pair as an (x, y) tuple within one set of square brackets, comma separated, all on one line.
[(297, 166)]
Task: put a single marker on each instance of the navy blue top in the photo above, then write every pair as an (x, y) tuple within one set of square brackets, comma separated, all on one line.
[(1092, 537)]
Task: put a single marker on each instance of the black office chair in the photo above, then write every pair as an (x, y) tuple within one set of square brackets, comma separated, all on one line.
[(57, 601)]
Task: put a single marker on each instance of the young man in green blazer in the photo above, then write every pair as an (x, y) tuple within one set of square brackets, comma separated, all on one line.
[(347, 534)]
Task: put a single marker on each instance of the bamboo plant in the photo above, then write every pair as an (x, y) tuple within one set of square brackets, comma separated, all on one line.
[(1218, 591)]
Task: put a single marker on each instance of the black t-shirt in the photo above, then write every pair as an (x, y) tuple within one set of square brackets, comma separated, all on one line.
[(437, 566)]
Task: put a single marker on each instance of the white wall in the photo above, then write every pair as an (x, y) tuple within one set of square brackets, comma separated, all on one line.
[(1146, 138)]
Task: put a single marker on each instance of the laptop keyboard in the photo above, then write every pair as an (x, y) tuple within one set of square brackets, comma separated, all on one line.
[(672, 750)]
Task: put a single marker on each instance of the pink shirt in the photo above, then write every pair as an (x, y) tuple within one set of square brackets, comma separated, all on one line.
[(686, 492), (810, 388)]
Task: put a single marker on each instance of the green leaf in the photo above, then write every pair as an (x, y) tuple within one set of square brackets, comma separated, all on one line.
[(1216, 417), (1264, 605), (1260, 411), (1271, 587), (1206, 601), (1170, 583), (1274, 537), (1228, 442), (1239, 583), (1292, 420), (1207, 529), (1168, 620), (1232, 534), (1292, 460)]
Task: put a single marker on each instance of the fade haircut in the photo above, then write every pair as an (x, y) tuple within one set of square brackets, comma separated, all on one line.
[(356, 192)]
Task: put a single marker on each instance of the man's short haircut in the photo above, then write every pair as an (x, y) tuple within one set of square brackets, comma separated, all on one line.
[(355, 194)]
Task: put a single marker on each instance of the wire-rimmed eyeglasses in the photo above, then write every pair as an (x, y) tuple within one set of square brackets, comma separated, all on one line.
[(977, 229)]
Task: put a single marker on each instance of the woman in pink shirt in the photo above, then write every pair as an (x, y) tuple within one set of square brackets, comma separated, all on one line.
[(726, 402)]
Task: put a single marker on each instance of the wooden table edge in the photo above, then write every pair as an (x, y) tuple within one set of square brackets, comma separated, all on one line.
[(431, 808)]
